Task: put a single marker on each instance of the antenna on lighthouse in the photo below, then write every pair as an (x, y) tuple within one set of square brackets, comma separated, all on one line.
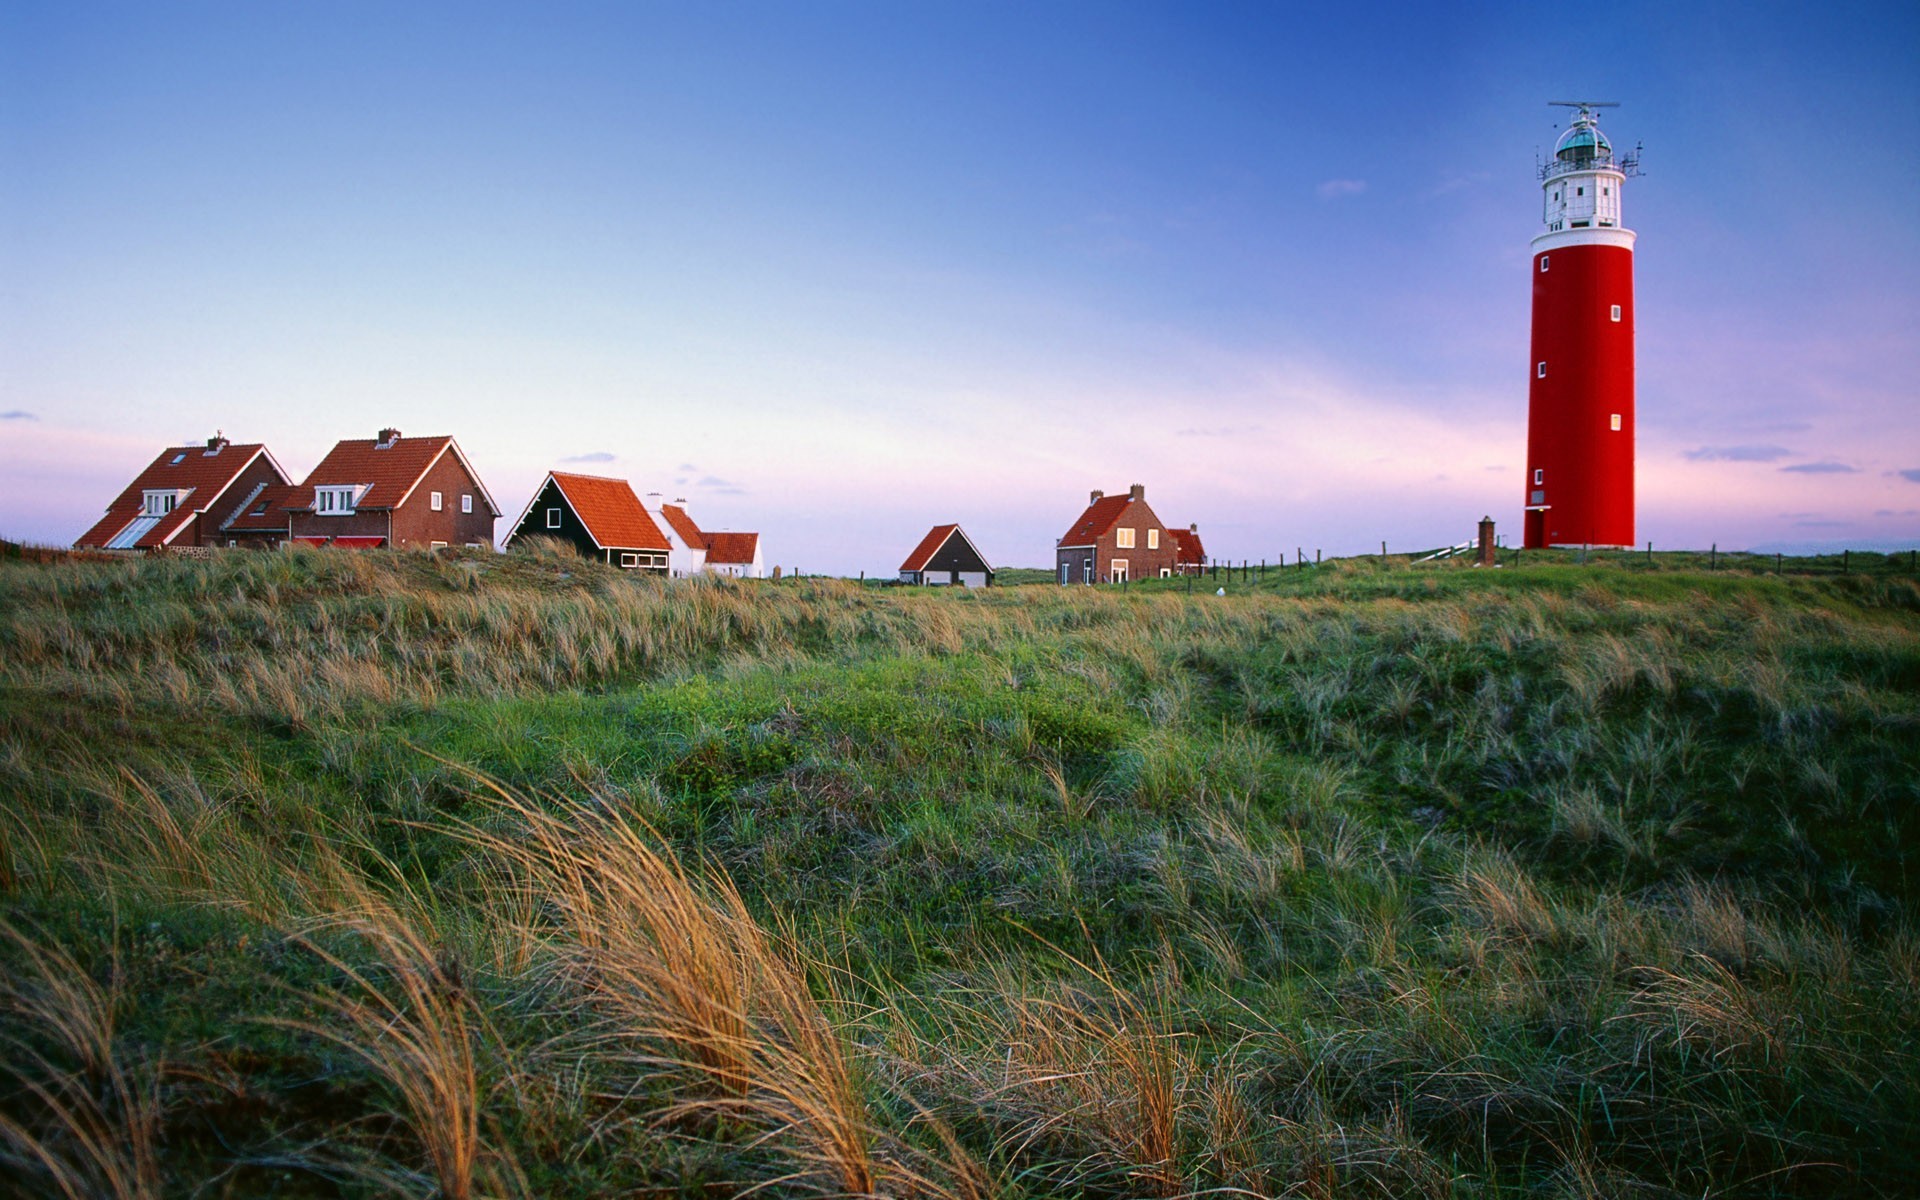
[(1584, 104)]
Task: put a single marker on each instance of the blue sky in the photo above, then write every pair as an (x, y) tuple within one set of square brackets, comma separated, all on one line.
[(838, 272)]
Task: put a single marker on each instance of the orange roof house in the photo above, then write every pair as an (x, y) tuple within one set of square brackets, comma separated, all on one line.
[(687, 546), (1190, 557), (1115, 539), (185, 496), (736, 554), (947, 556), (600, 517), (392, 491)]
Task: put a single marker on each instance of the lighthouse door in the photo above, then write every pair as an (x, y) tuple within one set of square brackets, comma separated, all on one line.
[(1534, 536)]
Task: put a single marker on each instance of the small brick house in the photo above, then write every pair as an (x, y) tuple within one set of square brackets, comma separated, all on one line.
[(401, 492), (185, 497), (1190, 556), (601, 517), (947, 556), (1116, 538)]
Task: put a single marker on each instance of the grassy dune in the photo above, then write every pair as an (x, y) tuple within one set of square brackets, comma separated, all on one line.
[(330, 874)]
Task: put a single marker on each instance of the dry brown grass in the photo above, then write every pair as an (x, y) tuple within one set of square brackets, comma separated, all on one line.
[(410, 1017), (682, 995), (99, 1106)]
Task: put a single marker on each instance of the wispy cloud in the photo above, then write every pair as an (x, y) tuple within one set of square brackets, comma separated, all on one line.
[(1822, 468), (19, 414), (724, 487), (1911, 474), (1896, 512), (1335, 189), (1739, 453), (595, 456), (1219, 431)]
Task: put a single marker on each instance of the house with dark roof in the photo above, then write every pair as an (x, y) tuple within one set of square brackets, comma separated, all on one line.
[(395, 491), (599, 517), (1115, 539), (947, 556), (185, 496)]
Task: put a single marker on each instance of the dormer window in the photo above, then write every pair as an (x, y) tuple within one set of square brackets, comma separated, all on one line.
[(337, 500), (158, 502)]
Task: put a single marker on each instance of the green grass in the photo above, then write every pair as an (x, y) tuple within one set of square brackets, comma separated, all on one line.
[(1571, 878)]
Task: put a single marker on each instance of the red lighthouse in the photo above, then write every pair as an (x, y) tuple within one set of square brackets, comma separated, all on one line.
[(1580, 398)]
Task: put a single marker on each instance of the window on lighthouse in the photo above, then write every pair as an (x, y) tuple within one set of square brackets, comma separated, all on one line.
[(1543, 264), (1539, 476), (1539, 370), (1616, 312)]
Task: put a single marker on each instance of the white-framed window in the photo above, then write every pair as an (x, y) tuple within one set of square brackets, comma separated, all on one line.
[(1616, 312), (436, 545), (336, 501), (158, 502), (629, 560), (1539, 370), (1539, 476), (1166, 572), (1117, 570), (1543, 264), (1123, 538), (466, 502), (476, 545), (553, 518), (436, 501), (1153, 539), (1616, 422)]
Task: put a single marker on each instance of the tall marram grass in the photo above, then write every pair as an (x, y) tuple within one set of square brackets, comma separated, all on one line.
[(677, 993), (1379, 883)]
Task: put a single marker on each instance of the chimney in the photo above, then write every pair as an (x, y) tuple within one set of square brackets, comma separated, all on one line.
[(1137, 492), (389, 436), (1095, 498), (1194, 528), (217, 442), (653, 499)]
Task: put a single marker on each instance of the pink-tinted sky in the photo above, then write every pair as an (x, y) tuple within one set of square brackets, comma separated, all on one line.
[(838, 272)]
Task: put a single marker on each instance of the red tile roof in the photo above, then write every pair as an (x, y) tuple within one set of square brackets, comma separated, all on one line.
[(1098, 518), (392, 469), (1187, 548), (200, 475), (936, 538), (613, 515), (265, 513), (683, 525), (732, 547)]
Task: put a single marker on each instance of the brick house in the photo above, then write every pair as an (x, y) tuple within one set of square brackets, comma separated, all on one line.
[(1116, 538), (1190, 556), (402, 492), (185, 497), (601, 517)]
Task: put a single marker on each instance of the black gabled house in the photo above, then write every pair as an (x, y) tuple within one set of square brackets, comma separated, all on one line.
[(947, 556)]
